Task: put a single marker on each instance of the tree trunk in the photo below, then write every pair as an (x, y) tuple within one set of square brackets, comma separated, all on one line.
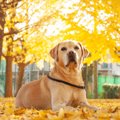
[(95, 76), (8, 85), (84, 75), (20, 76)]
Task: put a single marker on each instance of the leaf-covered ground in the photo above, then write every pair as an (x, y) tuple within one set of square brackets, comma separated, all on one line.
[(110, 110)]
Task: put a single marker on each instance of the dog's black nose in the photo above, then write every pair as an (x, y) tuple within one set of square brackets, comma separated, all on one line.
[(71, 53)]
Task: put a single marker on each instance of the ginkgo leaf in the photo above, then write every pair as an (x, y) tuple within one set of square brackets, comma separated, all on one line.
[(109, 109)]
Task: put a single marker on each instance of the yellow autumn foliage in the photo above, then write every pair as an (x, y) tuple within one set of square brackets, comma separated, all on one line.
[(96, 24), (110, 110)]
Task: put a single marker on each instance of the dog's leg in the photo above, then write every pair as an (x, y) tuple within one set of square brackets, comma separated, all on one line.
[(57, 106), (83, 104), (64, 106), (57, 101), (59, 98)]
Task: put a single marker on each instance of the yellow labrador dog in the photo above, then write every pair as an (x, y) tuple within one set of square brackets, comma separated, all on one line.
[(63, 86)]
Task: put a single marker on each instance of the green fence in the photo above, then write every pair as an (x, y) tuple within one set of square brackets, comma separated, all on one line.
[(106, 79)]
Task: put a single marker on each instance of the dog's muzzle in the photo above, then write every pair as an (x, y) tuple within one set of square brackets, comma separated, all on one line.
[(72, 57)]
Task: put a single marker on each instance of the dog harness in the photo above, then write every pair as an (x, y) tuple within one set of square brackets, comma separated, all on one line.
[(61, 81)]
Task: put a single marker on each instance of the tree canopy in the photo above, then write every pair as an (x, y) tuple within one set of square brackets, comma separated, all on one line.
[(39, 25)]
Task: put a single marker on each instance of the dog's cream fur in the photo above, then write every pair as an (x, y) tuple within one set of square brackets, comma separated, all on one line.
[(45, 94)]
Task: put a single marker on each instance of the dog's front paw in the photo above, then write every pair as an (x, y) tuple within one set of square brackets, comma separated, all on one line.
[(69, 108), (94, 108), (89, 106)]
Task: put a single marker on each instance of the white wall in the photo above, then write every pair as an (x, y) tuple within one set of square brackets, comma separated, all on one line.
[(116, 69)]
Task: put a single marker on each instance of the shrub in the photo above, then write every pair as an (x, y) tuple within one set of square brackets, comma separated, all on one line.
[(111, 91)]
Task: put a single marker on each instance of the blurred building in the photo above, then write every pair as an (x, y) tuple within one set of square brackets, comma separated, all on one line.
[(109, 69)]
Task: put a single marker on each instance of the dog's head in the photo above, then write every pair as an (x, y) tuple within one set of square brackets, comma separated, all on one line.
[(69, 53)]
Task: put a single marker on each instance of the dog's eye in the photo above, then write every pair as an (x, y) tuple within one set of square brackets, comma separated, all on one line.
[(63, 48), (76, 47)]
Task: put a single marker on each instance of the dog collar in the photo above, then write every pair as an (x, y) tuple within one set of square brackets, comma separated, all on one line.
[(61, 81)]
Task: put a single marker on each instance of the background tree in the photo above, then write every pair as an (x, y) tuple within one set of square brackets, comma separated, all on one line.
[(10, 23), (21, 25)]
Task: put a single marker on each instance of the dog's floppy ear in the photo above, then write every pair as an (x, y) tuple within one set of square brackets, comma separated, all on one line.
[(84, 51), (54, 52)]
